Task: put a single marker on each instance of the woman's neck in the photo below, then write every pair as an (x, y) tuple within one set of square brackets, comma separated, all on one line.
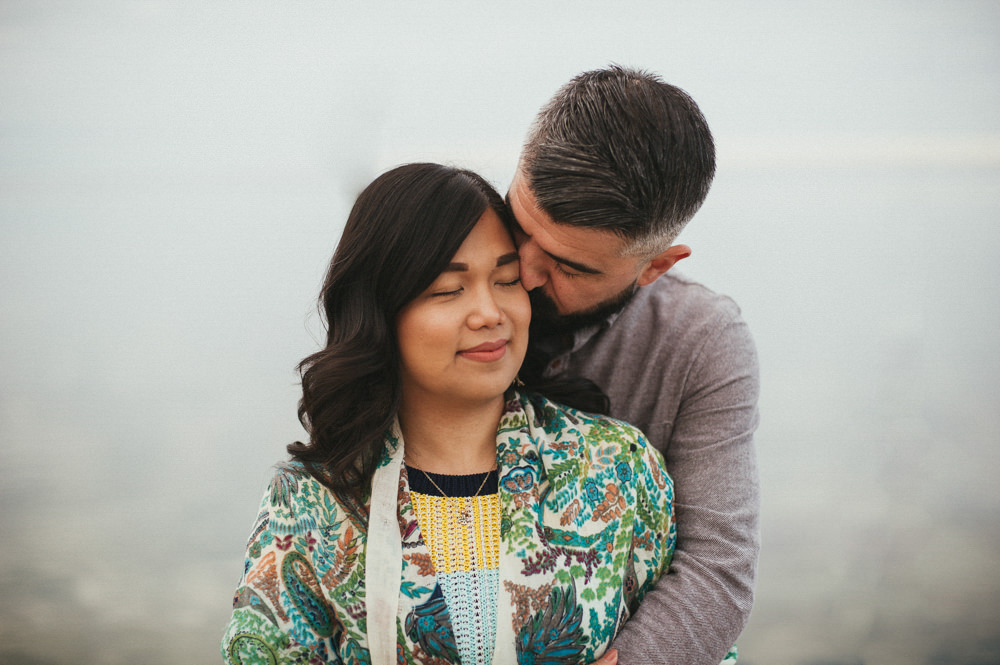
[(451, 439)]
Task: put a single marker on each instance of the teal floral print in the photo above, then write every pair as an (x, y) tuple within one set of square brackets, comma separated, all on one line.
[(586, 530)]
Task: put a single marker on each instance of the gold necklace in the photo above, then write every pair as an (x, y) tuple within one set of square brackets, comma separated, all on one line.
[(464, 517)]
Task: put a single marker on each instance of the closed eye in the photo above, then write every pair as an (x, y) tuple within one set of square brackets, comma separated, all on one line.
[(455, 292), (564, 271)]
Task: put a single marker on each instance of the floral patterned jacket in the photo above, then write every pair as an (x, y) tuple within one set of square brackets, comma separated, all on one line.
[(586, 530)]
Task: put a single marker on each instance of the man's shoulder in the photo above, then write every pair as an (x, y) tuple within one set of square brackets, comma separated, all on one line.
[(674, 340), (675, 304)]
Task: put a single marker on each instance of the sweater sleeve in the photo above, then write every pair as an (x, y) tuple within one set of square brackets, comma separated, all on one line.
[(695, 613)]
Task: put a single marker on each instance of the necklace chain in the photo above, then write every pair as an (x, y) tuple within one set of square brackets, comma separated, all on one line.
[(481, 485)]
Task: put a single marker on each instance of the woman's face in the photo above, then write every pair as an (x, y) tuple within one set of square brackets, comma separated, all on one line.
[(464, 337)]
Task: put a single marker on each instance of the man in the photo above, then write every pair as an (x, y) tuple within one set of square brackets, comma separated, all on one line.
[(613, 168)]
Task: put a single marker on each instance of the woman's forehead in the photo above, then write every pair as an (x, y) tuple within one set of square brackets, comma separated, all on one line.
[(489, 241)]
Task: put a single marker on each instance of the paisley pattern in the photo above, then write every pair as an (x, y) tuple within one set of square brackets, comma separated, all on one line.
[(554, 635), (586, 530), (429, 626), (306, 595)]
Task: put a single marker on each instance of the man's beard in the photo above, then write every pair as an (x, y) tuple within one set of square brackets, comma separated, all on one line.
[(545, 316)]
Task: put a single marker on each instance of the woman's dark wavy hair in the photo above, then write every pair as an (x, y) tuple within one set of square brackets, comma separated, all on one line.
[(403, 231)]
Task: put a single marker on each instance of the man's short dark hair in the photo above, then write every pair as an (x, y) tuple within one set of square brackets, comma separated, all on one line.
[(621, 150)]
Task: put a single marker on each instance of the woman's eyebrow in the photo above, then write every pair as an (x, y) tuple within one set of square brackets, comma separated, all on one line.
[(507, 258), (464, 267)]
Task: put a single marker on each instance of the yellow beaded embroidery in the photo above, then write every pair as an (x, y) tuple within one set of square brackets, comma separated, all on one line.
[(457, 547)]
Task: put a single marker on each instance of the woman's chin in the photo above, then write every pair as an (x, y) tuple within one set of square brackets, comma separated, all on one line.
[(494, 389)]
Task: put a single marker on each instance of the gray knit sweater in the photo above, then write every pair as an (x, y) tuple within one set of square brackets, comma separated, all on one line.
[(679, 363)]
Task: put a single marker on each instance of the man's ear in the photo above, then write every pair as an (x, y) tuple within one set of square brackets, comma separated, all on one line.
[(662, 262)]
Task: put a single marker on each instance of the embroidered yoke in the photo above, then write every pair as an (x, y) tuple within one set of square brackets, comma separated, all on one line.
[(462, 532)]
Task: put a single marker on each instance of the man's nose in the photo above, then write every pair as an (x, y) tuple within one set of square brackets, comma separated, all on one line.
[(533, 270)]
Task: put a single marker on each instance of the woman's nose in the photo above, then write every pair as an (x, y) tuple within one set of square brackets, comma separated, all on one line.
[(486, 312)]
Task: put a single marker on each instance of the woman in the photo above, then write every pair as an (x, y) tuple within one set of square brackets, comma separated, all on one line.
[(437, 515)]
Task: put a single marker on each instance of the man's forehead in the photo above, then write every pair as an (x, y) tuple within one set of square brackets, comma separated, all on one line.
[(565, 242)]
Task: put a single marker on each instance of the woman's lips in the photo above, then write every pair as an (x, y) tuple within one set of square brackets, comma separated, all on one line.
[(486, 352)]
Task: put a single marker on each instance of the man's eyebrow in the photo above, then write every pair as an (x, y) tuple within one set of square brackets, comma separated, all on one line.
[(579, 267)]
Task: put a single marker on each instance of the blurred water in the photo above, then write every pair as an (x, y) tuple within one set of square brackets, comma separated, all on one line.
[(173, 177)]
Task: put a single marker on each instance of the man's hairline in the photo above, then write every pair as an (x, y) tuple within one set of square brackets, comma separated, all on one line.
[(644, 248)]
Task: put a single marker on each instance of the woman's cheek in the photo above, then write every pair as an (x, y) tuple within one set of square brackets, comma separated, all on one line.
[(522, 307)]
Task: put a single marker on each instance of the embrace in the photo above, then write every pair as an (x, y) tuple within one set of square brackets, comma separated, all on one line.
[(530, 440)]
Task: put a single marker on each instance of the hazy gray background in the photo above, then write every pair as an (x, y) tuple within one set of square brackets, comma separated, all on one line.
[(174, 177)]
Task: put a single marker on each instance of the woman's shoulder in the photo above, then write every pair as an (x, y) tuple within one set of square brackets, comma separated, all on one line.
[(593, 454), (292, 474), (567, 422), (293, 490)]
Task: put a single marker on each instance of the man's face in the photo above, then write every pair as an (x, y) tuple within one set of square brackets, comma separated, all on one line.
[(576, 275)]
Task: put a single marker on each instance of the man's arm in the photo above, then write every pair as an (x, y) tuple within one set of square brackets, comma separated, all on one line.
[(696, 612)]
